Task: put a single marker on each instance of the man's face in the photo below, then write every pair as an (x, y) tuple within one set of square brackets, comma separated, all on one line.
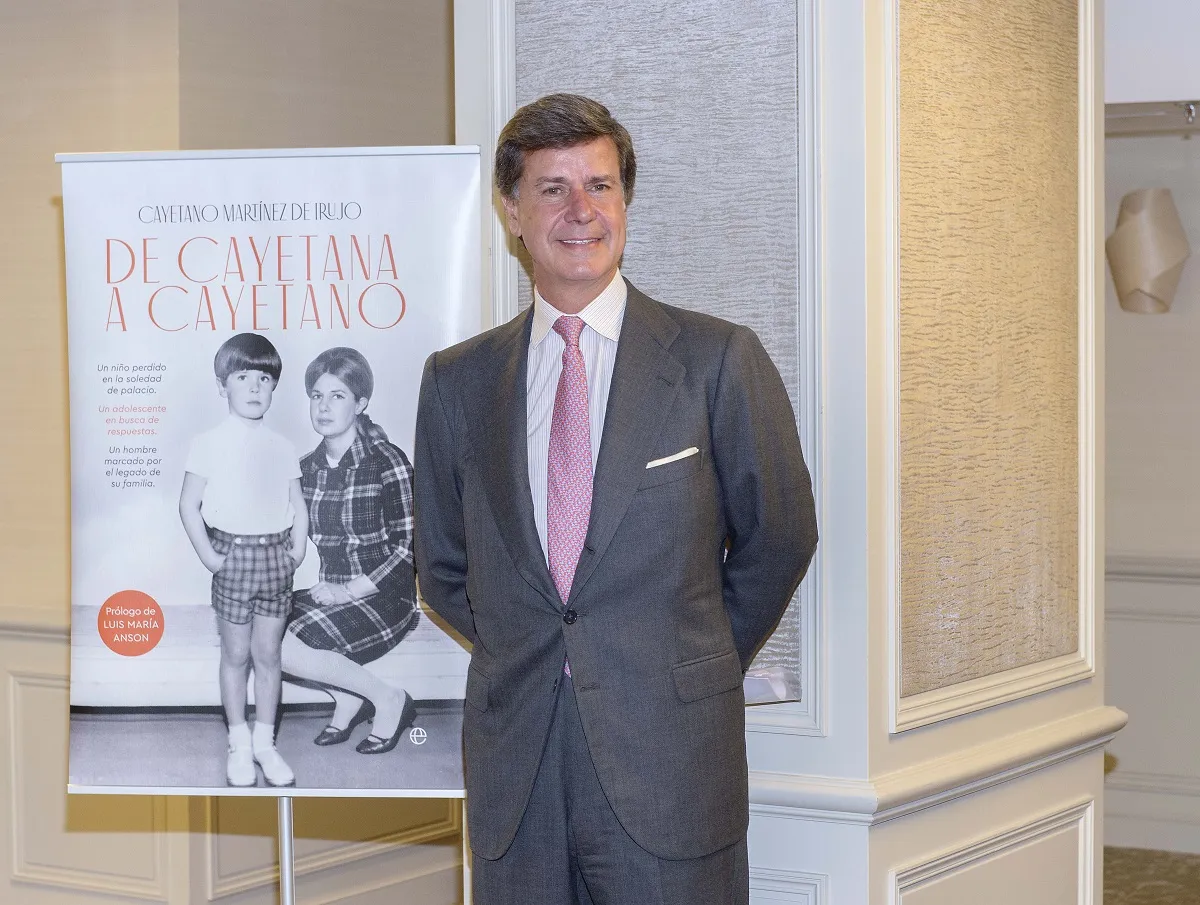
[(570, 211)]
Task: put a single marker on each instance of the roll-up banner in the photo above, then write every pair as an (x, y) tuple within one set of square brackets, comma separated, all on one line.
[(247, 331)]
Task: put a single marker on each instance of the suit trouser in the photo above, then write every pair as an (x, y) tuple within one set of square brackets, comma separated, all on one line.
[(571, 850)]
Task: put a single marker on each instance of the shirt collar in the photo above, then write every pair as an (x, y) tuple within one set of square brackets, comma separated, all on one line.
[(604, 313), (239, 426), (352, 457)]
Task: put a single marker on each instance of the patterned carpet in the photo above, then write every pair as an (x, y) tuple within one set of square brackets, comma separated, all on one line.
[(1141, 877)]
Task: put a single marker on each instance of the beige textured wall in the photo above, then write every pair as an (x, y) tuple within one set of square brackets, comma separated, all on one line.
[(112, 75), (988, 149), (315, 73), (73, 77)]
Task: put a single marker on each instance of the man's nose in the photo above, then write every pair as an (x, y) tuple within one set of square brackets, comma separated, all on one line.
[(581, 207)]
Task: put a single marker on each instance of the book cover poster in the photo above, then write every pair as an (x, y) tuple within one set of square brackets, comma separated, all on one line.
[(247, 332)]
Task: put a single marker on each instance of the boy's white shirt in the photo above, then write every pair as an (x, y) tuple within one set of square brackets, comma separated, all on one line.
[(248, 472)]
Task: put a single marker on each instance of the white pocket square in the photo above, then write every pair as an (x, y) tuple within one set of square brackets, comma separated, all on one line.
[(665, 460)]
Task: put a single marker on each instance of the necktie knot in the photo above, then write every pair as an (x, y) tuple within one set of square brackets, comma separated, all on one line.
[(569, 328)]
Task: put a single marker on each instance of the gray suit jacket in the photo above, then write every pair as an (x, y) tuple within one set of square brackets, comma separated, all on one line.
[(686, 569)]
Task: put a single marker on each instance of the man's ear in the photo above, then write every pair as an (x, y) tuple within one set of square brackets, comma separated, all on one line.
[(511, 219), (221, 388)]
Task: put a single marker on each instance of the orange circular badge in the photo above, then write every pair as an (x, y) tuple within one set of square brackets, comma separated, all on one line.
[(130, 623)]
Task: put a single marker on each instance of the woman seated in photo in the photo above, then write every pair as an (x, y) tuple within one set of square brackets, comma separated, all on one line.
[(358, 487)]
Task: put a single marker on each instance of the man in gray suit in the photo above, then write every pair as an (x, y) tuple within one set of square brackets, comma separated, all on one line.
[(613, 508)]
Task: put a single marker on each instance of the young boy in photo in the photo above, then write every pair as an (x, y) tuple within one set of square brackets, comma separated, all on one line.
[(243, 510)]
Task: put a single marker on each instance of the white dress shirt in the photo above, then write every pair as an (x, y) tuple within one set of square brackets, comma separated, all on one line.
[(602, 320)]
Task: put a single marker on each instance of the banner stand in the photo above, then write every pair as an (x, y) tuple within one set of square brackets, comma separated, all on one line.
[(287, 860)]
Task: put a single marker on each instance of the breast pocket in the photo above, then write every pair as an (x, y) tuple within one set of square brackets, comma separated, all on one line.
[(658, 473)]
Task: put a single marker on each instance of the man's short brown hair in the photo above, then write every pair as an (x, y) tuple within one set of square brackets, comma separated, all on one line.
[(559, 121)]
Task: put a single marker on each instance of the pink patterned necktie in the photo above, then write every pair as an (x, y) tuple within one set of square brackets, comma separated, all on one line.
[(569, 484)]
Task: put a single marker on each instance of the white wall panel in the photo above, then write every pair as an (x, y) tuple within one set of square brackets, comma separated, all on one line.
[(363, 842), (67, 850), (1033, 841), (1153, 636), (1153, 371), (1151, 51), (1036, 864)]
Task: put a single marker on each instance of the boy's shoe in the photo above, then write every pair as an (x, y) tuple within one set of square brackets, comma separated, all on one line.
[(239, 767), (275, 769)]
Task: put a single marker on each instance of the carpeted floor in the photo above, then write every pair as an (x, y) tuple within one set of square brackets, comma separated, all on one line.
[(1135, 876)]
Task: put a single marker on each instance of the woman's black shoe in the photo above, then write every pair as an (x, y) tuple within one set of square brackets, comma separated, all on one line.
[(373, 744), (332, 735)]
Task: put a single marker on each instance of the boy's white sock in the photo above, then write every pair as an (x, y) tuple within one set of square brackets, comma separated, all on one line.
[(264, 736), (239, 765), (239, 736), (274, 767)]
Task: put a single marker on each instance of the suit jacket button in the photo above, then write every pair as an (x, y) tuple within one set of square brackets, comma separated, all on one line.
[(570, 616)]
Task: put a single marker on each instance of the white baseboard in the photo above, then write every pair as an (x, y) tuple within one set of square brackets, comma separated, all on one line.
[(1145, 832)]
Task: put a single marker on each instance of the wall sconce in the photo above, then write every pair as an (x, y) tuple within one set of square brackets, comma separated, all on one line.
[(1147, 251)]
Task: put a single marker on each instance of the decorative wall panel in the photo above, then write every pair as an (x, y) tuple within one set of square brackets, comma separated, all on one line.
[(708, 90), (54, 848), (330, 834), (988, 150), (1047, 862)]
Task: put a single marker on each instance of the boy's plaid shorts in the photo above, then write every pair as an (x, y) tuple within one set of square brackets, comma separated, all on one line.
[(256, 577)]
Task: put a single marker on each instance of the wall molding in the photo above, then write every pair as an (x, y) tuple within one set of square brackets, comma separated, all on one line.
[(807, 717), (788, 886), (34, 622), (155, 888), (1149, 608), (485, 90), (1137, 567), (936, 780), (1081, 816), (911, 711), (1154, 784), (1151, 616), (351, 892), (221, 885)]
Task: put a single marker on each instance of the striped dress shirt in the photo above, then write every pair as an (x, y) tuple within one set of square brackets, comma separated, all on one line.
[(602, 320)]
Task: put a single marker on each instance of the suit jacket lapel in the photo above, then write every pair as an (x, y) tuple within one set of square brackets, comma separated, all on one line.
[(503, 456), (645, 382)]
